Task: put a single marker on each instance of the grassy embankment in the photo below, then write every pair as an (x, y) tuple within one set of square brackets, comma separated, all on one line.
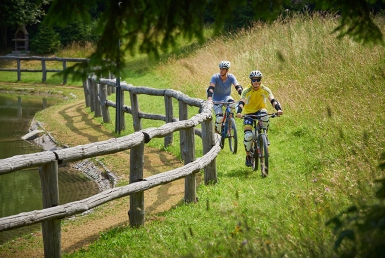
[(324, 150)]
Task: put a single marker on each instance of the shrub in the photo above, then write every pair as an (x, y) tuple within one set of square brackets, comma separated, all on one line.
[(78, 32), (46, 41)]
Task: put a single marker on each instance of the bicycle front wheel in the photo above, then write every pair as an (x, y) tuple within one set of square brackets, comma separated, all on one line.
[(264, 157), (254, 154), (233, 136), (223, 135)]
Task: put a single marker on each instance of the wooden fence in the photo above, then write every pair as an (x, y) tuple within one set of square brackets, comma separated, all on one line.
[(95, 92), (44, 70)]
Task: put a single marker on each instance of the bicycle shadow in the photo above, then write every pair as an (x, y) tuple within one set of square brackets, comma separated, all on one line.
[(241, 172)]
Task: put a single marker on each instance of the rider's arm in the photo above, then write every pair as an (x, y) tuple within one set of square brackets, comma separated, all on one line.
[(241, 104), (210, 91), (276, 105), (239, 89)]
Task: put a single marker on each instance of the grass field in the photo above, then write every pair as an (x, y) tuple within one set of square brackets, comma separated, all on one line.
[(325, 150)]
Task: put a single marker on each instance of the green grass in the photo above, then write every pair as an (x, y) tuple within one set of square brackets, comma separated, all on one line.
[(325, 149)]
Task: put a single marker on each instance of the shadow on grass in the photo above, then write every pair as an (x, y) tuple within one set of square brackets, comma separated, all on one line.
[(241, 172)]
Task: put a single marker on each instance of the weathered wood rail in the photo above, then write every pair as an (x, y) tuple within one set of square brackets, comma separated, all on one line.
[(96, 97), (44, 70)]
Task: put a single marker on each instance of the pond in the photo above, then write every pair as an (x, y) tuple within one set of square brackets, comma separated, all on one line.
[(21, 191)]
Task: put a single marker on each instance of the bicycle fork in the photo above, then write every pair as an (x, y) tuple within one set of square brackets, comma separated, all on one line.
[(226, 124), (261, 154)]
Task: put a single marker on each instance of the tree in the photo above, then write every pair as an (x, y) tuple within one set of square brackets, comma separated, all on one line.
[(46, 41), (154, 25), (15, 12)]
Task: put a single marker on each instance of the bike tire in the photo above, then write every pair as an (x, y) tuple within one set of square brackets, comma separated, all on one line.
[(264, 155), (254, 155), (223, 136), (233, 136)]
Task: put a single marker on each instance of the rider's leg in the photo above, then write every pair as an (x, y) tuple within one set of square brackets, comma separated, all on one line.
[(218, 117), (247, 140), (229, 99)]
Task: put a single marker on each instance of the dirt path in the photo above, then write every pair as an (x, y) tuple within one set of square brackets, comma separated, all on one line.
[(76, 127)]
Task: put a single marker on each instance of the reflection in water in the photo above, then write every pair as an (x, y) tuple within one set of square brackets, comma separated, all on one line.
[(21, 191)]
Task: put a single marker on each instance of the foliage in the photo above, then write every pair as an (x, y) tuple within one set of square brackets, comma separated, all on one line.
[(152, 26), (46, 41), (15, 12), (355, 20), (77, 32), (243, 17), (360, 229)]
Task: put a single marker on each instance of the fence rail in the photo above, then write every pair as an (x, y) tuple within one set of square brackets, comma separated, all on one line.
[(43, 69), (96, 97)]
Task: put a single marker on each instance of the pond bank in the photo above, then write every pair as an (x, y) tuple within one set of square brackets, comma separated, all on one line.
[(99, 173)]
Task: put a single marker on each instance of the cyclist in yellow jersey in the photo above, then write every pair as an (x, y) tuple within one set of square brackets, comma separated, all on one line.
[(253, 102)]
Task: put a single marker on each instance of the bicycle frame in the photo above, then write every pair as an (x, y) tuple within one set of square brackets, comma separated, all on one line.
[(259, 150), (228, 127), (225, 120)]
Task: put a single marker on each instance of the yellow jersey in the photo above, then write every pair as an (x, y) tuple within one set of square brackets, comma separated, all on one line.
[(255, 100)]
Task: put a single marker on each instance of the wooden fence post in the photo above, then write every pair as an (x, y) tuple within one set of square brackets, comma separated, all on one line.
[(50, 191), (18, 69), (135, 112), (86, 86), (109, 90), (103, 100), (210, 171), (98, 110), (190, 180), (43, 70), (92, 95), (168, 139), (64, 67), (136, 213), (182, 133)]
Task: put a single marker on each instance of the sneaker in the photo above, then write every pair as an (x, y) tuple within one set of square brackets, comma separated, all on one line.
[(248, 162)]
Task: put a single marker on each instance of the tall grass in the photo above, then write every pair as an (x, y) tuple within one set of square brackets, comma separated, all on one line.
[(324, 151)]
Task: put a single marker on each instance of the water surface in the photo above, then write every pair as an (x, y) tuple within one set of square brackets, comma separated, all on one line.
[(21, 191)]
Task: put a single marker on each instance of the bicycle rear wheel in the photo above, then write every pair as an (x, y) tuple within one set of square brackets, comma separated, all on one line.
[(232, 136), (264, 155)]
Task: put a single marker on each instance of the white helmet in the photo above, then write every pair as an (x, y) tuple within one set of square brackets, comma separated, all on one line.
[(224, 64), (255, 73)]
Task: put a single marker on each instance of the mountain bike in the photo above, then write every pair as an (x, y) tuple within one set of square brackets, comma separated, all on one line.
[(228, 127), (259, 150)]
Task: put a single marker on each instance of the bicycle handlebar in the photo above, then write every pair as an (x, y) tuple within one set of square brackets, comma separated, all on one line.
[(225, 103), (272, 115)]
